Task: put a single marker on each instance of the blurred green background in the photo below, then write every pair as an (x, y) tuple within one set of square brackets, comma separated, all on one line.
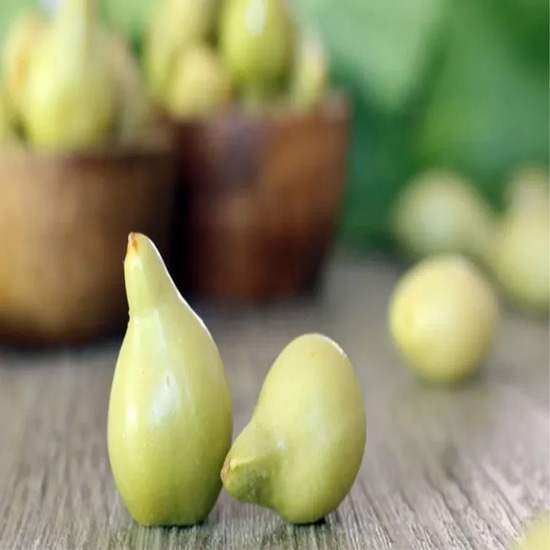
[(434, 82)]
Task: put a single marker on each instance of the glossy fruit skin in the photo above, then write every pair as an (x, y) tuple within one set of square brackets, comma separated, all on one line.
[(439, 213), (442, 316), (170, 421), (303, 447), (200, 84), (68, 100), (256, 43)]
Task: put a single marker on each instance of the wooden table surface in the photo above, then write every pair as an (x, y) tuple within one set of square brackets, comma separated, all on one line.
[(443, 468)]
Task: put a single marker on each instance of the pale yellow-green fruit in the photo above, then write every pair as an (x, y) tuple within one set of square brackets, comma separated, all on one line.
[(438, 212), (442, 316), (132, 104), (68, 101), (257, 43), (301, 451), (200, 84), (170, 420), (174, 26), (521, 257), (310, 72), (23, 36), (529, 190), (536, 536)]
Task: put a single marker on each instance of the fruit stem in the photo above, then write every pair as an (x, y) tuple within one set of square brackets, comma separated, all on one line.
[(250, 465)]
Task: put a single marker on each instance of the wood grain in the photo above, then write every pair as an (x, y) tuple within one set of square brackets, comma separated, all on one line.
[(443, 468)]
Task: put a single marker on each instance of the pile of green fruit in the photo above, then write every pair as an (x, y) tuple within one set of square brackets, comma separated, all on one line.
[(69, 83), (444, 312), (199, 56), (170, 416), (439, 213)]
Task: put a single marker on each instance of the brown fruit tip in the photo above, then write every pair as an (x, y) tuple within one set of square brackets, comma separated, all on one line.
[(225, 470), (133, 244)]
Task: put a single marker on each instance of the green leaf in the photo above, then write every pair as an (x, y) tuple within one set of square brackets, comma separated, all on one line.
[(382, 45), (489, 108)]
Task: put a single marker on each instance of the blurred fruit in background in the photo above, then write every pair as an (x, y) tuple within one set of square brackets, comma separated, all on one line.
[(464, 87), (256, 43), (521, 250), (199, 85), (309, 79), (443, 316), (72, 83), (68, 99), (7, 122), (175, 25), (24, 33), (440, 212), (132, 103)]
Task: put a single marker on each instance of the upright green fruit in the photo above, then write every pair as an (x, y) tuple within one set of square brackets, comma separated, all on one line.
[(174, 26), (133, 106), (521, 244), (199, 84), (310, 72), (257, 41), (23, 35), (170, 421), (68, 97), (438, 212), (303, 447)]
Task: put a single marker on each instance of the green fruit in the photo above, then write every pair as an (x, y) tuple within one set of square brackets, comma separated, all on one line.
[(133, 107), (23, 35), (175, 25), (442, 316), (438, 212), (528, 190), (170, 420), (521, 257), (199, 84), (310, 73), (68, 97), (303, 447), (536, 536), (256, 42)]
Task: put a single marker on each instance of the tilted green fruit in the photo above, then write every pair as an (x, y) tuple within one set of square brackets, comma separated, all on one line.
[(536, 536), (133, 107), (256, 42), (442, 316), (175, 25), (303, 447), (170, 420), (68, 97), (23, 36), (199, 83), (310, 73), (438, 212)]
